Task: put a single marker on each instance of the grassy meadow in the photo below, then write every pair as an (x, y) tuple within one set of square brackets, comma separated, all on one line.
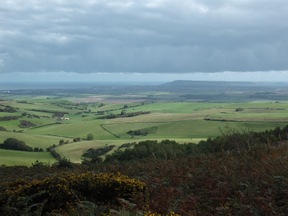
[(181, 121), (13, 158)]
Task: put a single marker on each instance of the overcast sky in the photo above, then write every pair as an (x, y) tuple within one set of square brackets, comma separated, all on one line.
[(143, 36)]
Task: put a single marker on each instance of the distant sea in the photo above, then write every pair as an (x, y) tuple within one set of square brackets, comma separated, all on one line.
[(64, 85)]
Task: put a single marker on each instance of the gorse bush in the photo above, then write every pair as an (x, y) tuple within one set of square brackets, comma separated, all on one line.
[(60, 192)]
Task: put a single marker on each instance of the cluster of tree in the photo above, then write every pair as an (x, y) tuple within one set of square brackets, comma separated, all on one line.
[(15, 144), (123, 114), (8, 109), (59, 114), (26, 124), (219, 119), (137, 132), (101, 105), (126, 106), (36, 149), (109, 116), (54, 153), (9, 118), (239, 109), (166, 149), (100, 112), (24, 102), (62, 142), (95, 155), (62, 162), (126, 145), (77, 139), (2, 128), (232, 141), (30, 115), (90, 136)]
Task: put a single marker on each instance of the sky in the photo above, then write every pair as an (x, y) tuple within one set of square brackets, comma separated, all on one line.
[(143, 40)]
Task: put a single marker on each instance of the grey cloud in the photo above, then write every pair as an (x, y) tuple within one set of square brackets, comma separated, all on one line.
[(143, 36)]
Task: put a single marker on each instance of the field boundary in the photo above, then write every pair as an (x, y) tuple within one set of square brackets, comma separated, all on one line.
[(102, 126)]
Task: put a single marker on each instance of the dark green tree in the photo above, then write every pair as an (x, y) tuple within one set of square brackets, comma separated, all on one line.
[(90, 136), (14, 144)]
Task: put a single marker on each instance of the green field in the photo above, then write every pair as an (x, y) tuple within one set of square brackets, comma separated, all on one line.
[(181, 121), (12, 158)]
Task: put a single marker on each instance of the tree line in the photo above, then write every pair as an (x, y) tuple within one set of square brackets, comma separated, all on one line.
[(15, 144), (232, 141)]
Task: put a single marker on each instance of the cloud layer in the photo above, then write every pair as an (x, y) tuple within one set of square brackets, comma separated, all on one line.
[(143, 35)]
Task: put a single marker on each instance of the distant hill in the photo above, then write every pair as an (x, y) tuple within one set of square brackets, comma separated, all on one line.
[(190, 83), (178, 90), (223, 86), (225, 90)]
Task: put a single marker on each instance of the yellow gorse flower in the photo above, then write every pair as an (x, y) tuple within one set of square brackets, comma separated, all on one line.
[(69, 188)]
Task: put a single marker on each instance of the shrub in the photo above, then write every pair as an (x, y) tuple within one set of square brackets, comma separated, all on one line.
[(40, 164), (2, 128), (137, 132), (64, 163), (8, 109), (26, 124), (90, 136), (77, 139), (14, 144), (9, 118), (166, 149), (55, 154), (60, 192)]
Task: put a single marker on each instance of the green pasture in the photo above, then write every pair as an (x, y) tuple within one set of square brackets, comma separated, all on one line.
[(176, 107), (184, 120), (252, 116), (185, 128), (43, 99), (10, 125), (2, 114), (254, 112), (180, 121), (33, 140), (12, 158), (188, 107), (259, 105), (15, 124), (74, 129), (44, 110), (121, 129), (110, 106), (74, 151)]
